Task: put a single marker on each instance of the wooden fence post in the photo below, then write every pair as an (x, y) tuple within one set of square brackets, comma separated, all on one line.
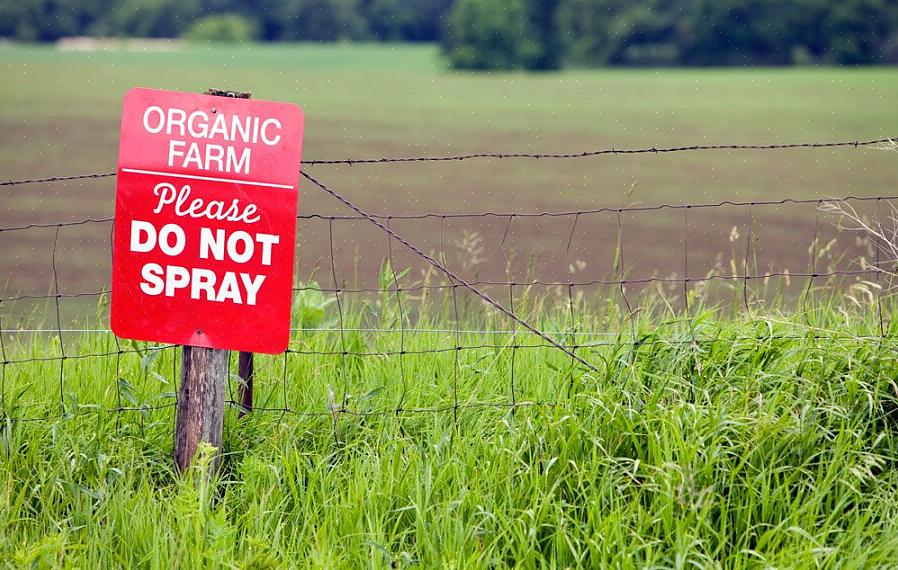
[(201, 399), (246, 373), (204, 379)]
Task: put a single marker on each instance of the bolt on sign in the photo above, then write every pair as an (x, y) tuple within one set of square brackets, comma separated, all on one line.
[(205, 220)]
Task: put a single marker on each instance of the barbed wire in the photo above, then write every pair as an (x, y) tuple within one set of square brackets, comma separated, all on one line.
[(524, 155), (608, 151), (57, 178), (522, 214), (611, 209)]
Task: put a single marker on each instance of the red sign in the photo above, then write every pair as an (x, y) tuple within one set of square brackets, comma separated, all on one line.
[(205, 220)]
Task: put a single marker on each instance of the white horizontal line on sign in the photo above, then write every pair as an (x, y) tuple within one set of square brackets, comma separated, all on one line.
[(210, 178)]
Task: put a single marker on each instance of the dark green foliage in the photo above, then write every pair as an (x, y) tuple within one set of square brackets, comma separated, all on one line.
[(386, 19), (313, 20), (729, 32), (859, 29), (547, 34), (735, 33), (490, 34), (47, 19), (621, 32), (146, 18), (410, 20), (222, 28), (525, 34)]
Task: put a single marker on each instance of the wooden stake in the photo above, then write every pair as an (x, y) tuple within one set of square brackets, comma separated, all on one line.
[(201, 398), (246, 373)]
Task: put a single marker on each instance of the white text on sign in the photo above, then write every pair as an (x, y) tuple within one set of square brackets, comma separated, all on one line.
[(230, 158), (215, 244)]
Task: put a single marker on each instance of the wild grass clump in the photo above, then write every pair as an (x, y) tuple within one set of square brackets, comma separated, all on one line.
[(712, 439)]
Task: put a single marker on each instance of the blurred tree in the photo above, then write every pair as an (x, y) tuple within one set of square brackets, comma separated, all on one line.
[(147, 18), (737, 33), (14, 22), (858, 30), (727, 32), (46, 20), (489, 34), (221, 28), (311, 20), (546, 34), (427, 19), (622, 32), (801, 30), (505, 34), (410, 20), (387, 20)]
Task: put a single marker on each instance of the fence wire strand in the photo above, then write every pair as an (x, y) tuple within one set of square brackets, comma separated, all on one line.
[(525, 155)]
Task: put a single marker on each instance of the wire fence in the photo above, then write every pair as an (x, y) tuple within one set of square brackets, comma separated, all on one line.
[(487, 301)]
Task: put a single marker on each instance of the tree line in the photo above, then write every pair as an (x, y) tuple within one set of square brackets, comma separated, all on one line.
[(265, 20), (546, 34), (504, 34)]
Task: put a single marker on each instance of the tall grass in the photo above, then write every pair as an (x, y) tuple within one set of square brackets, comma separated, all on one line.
[(713, 439)]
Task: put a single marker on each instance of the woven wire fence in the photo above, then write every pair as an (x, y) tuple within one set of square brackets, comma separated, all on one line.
[(486, 298)]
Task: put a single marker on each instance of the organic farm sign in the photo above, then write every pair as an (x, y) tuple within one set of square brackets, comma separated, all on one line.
[(205, 220)]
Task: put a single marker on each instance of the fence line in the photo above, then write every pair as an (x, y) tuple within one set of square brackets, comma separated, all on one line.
[(529, 155), (508, 342), (594, 282), (524, 215), (632, 344)]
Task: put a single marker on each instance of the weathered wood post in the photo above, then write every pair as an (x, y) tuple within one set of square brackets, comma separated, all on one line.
[(204, 378), (201, 399), (246, 373)]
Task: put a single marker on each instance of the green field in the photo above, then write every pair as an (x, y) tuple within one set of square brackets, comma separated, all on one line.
[(728, 423), (59, 114)]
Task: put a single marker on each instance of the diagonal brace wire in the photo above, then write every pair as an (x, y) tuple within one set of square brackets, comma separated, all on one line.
[(449, 273)]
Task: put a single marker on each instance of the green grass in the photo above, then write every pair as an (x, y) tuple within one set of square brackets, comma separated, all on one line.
[(719, 440)]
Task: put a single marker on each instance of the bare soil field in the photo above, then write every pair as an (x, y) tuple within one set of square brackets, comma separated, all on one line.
[(60, 112)]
